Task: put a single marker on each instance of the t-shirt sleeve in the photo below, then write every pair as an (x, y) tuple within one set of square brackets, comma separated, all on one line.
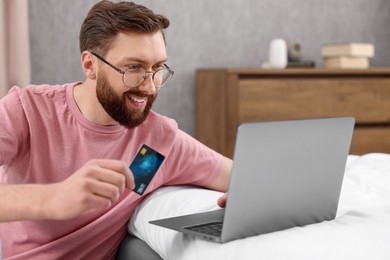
[(191, 162), (13, 126)]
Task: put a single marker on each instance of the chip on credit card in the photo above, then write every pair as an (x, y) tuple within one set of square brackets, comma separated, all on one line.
[(144, 167)]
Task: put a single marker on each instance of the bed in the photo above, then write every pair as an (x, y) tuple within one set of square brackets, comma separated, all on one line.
[(361, 229)]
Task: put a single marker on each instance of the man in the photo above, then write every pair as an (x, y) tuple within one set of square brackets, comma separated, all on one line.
[(66, 188)]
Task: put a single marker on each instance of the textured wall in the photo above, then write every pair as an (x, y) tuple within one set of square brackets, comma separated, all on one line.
[(218, 33)]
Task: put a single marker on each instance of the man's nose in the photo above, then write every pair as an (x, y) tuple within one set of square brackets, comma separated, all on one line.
[(148, 85)]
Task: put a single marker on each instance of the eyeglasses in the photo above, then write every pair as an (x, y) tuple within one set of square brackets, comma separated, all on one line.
[(133, 76)]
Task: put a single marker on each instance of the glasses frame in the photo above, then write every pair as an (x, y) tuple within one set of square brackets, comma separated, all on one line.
[(170, 71)]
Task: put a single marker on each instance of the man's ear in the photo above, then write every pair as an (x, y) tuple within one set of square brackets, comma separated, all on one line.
[(89, 64)]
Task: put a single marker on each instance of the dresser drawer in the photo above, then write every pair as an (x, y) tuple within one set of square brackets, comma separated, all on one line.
[(371, 139), (366, 99)]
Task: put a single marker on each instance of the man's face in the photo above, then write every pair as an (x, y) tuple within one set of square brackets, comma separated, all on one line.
[(115, 104), (130, 106)]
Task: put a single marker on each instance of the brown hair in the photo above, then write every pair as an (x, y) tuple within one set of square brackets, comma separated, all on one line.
[(106, 19)]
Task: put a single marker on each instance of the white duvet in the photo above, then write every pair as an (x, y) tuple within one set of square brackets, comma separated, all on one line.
[(361, 229)]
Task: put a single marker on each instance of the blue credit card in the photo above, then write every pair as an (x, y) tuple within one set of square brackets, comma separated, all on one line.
[(144, 167)]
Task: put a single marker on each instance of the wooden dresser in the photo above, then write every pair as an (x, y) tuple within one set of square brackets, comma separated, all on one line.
[(227, 97)]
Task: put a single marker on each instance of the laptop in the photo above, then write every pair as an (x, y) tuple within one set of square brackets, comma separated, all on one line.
[(285, 174)]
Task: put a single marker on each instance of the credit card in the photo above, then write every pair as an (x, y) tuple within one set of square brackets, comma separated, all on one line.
[(144, 167)]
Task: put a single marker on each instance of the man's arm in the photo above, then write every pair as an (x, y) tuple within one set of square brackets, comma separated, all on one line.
[(95, 186), (222, 181)]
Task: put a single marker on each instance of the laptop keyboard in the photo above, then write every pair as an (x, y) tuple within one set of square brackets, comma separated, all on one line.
[(212, 228)]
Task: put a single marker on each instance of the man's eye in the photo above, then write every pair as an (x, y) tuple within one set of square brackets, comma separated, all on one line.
[(158, 67), (133, 67)]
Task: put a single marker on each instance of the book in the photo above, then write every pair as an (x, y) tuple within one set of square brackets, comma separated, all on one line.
[(348, 49), (301, 64), (346, 62)]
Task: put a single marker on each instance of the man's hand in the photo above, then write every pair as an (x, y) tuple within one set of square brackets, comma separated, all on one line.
[(222, 200), (95, 186)]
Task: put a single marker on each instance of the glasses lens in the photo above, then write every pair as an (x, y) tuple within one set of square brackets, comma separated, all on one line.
[(134, 77), (162, 77)]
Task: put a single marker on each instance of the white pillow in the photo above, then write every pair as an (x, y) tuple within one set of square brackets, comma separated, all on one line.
[(169, 202)]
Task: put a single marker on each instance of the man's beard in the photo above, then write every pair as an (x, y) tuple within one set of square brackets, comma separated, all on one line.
[(115, 105)]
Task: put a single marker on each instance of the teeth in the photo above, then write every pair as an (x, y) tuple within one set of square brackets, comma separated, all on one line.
[(138, 100)]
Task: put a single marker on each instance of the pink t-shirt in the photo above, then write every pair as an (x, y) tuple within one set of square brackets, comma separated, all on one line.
[(44, 138)]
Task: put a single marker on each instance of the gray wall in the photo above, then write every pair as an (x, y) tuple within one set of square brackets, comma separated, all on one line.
[(216, 33)]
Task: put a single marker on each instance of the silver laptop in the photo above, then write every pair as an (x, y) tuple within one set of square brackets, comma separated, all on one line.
[(285, 174)]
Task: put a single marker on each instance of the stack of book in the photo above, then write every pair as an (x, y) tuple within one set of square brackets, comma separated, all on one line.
[(347, 55)]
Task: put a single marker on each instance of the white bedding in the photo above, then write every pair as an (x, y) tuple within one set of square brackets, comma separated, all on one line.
[(361, 229)]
